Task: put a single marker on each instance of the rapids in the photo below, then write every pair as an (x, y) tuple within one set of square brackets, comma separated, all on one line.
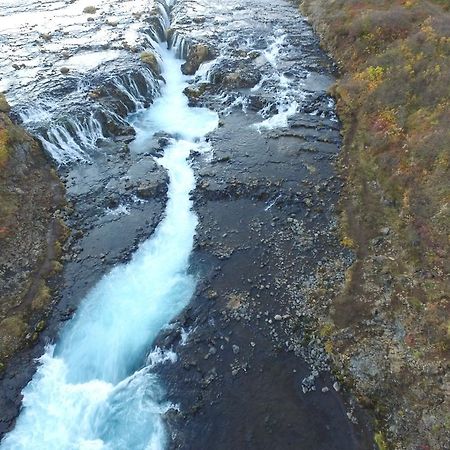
[(95, 388)]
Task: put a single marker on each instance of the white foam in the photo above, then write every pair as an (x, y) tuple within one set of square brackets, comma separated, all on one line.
[(279, 120)]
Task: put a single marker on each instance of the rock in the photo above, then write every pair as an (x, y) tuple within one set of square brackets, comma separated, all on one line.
[(163, 139), (90, 10), (64, 70), (195, 92), (113, 22), (97, 93), (236, 349), (150, 60), (151, 189), (4, 105), (278, 317), (241, 79), (198, 53)]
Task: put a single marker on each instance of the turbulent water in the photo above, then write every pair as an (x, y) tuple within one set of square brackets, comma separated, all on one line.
[(95, 388)]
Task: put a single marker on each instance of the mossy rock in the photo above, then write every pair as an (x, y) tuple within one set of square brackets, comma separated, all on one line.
[(12, 331), (4, 105), (40, 326), (42, 297), (90, 10), (150, 60), (198, 53), (380, 441), (4, 155)]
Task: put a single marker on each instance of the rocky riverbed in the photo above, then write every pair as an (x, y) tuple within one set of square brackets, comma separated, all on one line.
[(252, 368)]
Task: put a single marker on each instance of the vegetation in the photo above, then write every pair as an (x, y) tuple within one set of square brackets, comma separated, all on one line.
[(394, 102)]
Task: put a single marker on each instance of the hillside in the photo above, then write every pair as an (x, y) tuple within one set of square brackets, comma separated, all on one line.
[(389, 329)]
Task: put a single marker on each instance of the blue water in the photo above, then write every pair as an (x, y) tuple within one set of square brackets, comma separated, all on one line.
[(95, 388)]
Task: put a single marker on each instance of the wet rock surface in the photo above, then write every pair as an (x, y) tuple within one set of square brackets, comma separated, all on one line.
[(31, 231), (252, 368)]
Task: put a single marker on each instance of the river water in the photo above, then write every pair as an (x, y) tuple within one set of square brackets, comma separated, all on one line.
[(95, 389)]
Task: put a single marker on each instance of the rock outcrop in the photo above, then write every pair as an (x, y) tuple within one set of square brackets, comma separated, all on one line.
[(198, 53), (30, 230)]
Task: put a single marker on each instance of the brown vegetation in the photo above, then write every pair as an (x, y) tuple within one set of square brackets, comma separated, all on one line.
[(391, 327)]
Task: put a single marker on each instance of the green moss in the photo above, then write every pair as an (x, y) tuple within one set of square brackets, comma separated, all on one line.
[(13, 326), (4, 146), (12, 331), (56, 267), (40, 326), (42, 297), (150, 59), (4, 105), (326, 329), (380, 441)]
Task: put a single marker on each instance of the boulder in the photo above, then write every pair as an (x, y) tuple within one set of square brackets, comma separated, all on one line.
[(90, 10), (198, 53), (241, 79), (150, 60)]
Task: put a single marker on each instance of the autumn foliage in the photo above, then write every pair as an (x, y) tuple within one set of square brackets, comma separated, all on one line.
[(393, 98)]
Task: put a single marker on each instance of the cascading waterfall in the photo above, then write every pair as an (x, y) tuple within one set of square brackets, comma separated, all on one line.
[(95, 388), (287, 106)]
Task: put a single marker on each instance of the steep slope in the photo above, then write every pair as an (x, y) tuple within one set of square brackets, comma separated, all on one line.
[(30, 194), (389, 329)]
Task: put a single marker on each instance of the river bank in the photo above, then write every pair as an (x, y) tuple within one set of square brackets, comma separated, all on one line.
[(388, 328), (31, 235)]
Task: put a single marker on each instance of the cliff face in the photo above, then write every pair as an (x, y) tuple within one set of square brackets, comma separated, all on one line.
[(30, 194), (388, 331)]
